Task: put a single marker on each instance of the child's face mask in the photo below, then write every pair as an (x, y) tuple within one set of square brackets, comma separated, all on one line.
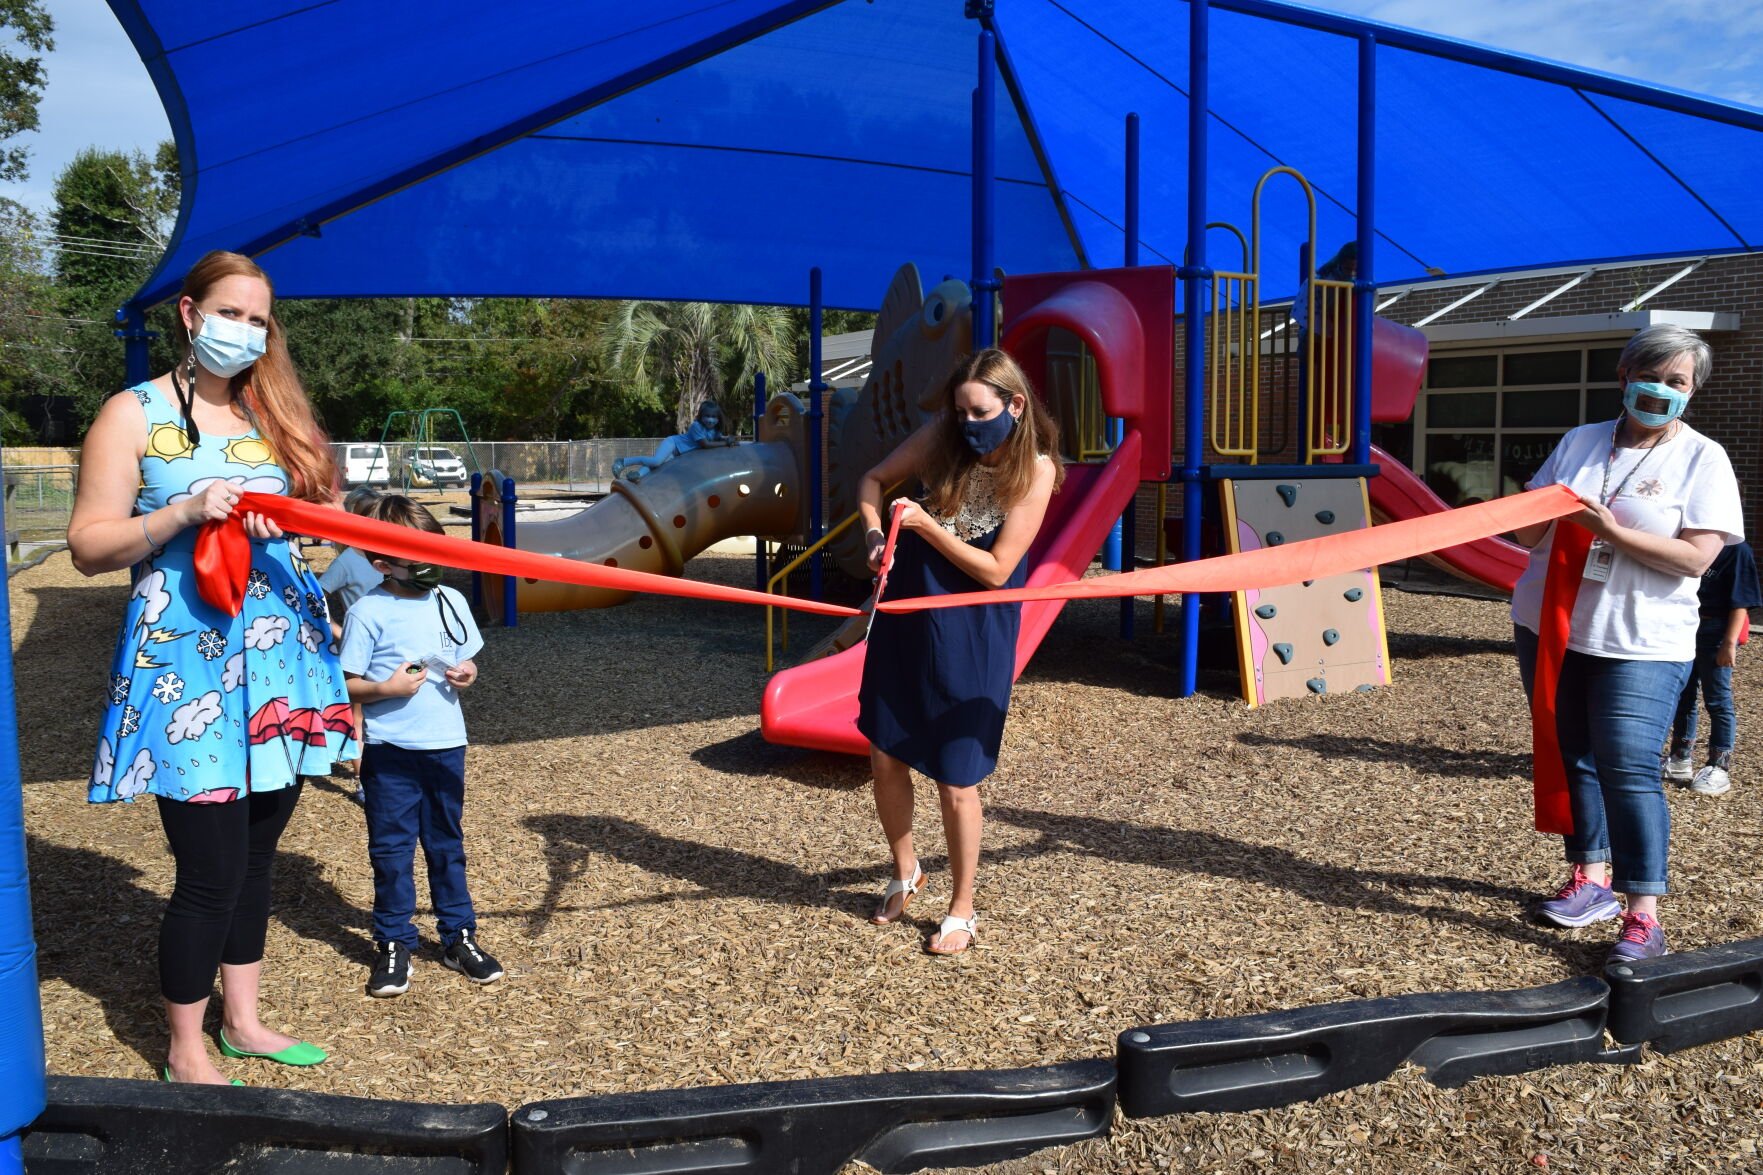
[(424, 577)]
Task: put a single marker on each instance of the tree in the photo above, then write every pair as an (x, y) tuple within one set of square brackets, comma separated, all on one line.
[(699, 349), (32, 335), (22, 78)]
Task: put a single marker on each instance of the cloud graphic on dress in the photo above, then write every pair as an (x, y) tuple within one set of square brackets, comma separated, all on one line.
[(105, 766), (140, 773), (266, 632), (258, 485), (233, 676), (192, 719), (152, 589), (309, 636)]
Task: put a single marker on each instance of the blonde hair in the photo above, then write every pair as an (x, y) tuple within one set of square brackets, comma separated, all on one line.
[(269, 390), (951, 461)]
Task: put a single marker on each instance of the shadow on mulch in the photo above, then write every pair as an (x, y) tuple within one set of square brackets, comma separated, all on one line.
[(750, 755), (314, 909), (1416, 646), (1436, 760), (1184, 850)]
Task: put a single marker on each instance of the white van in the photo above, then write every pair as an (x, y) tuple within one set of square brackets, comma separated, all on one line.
[(437, 467), (366, 465)]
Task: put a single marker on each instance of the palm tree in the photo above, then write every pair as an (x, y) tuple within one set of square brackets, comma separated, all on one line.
[(702, 348)]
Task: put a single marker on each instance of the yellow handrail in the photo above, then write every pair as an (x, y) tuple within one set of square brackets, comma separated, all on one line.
[(1329, 358), (783, 575)]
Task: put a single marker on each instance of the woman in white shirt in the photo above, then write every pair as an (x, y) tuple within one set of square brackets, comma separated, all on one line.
[(1661, 501)]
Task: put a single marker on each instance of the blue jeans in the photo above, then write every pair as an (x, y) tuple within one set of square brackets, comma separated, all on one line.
[(1612, 716), (1716, 683), (412, 795)]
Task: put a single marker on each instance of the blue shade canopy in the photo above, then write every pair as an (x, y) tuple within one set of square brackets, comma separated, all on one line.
[(717, 149)]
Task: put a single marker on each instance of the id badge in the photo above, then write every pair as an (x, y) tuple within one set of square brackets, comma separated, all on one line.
[(1598, 561)]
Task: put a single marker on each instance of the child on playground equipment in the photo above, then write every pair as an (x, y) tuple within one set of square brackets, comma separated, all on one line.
[(346, 580), (407, 648), (705, 432), (1729, 587), (936, 684)]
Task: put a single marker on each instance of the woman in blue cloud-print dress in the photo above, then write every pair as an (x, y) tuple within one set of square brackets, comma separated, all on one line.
[(216, 717)]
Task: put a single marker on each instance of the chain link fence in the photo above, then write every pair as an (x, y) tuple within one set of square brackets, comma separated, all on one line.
[(39, 502), (574, 466)]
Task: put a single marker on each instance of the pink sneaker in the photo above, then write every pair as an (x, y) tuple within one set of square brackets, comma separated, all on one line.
[(1581, 902)]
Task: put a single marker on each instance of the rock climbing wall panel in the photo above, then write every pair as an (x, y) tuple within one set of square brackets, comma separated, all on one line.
[(1316, 637)]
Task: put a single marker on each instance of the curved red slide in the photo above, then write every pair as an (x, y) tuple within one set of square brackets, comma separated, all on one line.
[(1400, 493), (815, 705)]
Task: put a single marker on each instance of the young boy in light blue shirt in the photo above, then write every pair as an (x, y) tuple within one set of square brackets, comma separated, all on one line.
[(406, 653)]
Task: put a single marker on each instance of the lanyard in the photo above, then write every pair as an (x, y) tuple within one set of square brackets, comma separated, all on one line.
[(1605, 497)]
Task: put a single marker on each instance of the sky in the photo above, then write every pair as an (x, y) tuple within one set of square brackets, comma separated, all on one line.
[(99, 93)]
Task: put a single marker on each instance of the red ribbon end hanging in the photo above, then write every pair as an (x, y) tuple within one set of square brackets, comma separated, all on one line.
[(223, 563)]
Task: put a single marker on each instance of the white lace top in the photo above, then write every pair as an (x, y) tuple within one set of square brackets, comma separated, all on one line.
[(980, 512)]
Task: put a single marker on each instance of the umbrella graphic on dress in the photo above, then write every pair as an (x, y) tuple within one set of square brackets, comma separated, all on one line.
[(340, 717), (270, 722), (274, 722), (307, 725)]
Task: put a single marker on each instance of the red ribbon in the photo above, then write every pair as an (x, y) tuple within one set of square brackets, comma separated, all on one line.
[(223, 557), (1567, 557)]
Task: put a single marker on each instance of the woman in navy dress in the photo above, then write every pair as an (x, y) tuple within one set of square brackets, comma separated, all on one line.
[(936, 684)]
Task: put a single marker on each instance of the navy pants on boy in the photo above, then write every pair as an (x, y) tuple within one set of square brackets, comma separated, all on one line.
[(412, 795)]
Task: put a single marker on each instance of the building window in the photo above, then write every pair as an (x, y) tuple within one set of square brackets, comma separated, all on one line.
[(1486, 421)]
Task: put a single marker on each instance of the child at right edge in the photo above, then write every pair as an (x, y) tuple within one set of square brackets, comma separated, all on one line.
[(406, 653), (1729, 587)]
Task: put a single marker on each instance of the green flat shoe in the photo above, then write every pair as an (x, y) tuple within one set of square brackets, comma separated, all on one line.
[(301, 1053), (165, 1075)]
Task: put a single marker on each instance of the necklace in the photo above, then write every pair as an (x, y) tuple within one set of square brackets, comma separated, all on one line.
[(1605, 497)]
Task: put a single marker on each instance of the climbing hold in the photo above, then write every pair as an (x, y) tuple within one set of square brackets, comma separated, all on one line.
[(1284, 653), (1308, 582), (1354, 594), (1274, 538), (1287, 494), (1267, 611), (1364, 689), (1330, 636), (1316, 685), (1325, 516)]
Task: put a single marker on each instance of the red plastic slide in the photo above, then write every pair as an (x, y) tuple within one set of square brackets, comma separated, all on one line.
[(815, 705), (1400, 493)]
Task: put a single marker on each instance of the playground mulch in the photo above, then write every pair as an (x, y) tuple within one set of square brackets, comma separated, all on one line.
[(679, 903)]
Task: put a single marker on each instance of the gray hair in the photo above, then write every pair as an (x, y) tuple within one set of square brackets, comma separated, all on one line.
[(1660, 344), (361, 500)]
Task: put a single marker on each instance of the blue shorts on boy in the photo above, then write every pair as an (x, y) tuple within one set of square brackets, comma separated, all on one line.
[(413, 757)]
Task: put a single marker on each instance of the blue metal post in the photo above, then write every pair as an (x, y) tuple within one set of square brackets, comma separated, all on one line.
[(985, 285), (815, 459), (1122, 536), (132, 330), (1364, 290), (760, 570), (1304, 263), (510, 585), (21, 1017), (1194, 276), (477, 536)]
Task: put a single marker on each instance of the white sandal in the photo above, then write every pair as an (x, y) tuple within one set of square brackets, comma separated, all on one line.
[(908, 887), (951, 925)]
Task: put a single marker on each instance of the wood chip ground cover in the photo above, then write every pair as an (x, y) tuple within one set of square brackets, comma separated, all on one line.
[(679, 903)]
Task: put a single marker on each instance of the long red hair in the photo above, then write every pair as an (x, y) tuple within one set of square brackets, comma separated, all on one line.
[(270, 391), (951, 461)]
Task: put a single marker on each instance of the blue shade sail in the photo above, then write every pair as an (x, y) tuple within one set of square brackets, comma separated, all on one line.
[(717, 149)]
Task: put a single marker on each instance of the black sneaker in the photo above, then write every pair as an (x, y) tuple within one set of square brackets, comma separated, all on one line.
[(391, 973), (471, 960)]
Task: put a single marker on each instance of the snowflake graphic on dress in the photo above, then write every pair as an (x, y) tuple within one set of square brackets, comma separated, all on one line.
[(168, 688), (291, 597), (144, 396), (212, 644), (315, 605), (257, 585), (131, 722), (119, 689)]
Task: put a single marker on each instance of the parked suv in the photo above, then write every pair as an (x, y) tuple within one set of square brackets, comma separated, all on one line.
[(366, 465), (436, 466)]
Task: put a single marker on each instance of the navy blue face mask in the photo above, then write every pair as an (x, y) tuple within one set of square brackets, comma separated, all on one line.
[(983, 436)]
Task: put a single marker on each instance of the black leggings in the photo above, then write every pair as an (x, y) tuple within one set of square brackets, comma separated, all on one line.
[(219, 909)]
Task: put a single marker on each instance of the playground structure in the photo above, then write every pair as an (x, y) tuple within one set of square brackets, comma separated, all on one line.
[(418, 446)]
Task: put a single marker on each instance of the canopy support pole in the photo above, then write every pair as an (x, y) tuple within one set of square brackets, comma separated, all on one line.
[(1122, 536), (1364, 288), (135, 336), (1194, 275), (985, 285), (761, 572), (815, 388)]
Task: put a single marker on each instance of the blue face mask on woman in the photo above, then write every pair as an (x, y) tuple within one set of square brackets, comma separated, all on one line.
[(226, 347), (1673, 400), (983, 436)]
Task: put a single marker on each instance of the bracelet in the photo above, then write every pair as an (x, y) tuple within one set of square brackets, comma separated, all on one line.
[(151, 545)]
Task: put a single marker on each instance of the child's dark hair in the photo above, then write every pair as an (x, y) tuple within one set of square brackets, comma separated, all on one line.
[(401, 511)]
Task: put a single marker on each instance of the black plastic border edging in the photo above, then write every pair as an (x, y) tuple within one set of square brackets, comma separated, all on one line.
[(894, 1122), (1692, 998), (99, 1125), (1277, 1058)]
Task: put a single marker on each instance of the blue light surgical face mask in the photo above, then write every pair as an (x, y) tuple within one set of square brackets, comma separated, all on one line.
[(226, 347), (983, 436), (1658, 395)]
